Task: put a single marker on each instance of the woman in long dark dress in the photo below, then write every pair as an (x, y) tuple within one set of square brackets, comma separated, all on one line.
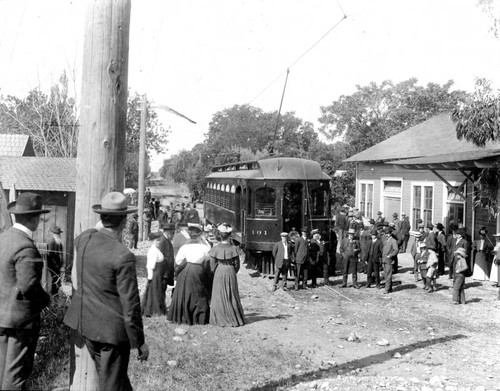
[(226, 309), (190, 302), (153, 302)]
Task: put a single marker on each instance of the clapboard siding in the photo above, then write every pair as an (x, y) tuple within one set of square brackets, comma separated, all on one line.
[(375, 173)]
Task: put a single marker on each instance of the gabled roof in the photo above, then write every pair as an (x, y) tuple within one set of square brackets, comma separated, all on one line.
[(16, 145), (436, 136), (38, 173)]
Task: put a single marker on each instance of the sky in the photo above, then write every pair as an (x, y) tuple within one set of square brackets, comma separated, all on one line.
[(200, 57)]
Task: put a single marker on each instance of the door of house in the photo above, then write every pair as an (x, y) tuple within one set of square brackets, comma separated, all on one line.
[(391, 205)]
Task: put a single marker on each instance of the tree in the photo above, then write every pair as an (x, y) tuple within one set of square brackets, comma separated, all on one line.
[(375, 112), (156, 138), (51, 120), (478, 121)]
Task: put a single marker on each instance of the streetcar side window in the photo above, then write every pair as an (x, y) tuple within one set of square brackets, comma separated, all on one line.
[(249, 212), (265, 202)]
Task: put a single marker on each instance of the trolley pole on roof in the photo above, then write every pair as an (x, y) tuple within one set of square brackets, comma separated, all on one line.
[(101, 142)]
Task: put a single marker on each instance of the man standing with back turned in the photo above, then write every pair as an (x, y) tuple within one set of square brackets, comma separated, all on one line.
[(105, 308), (22, 297)]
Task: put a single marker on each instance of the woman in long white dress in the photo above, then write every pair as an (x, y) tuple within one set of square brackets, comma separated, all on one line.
[(482, 262), (495, 267)]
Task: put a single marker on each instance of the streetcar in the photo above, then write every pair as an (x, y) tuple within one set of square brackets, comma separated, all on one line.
[(262, 198)]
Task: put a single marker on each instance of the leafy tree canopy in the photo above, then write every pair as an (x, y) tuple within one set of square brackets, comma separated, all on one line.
[(375, 112)]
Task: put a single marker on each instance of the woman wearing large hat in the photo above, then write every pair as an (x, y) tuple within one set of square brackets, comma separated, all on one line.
[(190, 301), (226, 309)]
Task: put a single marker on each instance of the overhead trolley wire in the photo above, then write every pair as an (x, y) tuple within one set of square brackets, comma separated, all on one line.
[(302, 55)]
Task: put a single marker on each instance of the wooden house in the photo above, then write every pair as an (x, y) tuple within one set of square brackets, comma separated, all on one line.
[(427, 173)]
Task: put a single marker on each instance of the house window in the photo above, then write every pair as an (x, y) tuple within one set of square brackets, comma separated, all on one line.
[(366, 199), (392, 189), (422, 204), (455, 206)]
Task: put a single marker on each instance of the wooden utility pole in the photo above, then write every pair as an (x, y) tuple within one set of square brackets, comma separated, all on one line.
[(101, 143), (142, 163)]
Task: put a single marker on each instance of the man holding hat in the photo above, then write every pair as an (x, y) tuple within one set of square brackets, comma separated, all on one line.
[(282, 253), (105, 309), (22, 297), (55, 258)]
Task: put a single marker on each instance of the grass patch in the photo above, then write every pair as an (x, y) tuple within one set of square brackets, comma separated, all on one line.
[(211, 358)]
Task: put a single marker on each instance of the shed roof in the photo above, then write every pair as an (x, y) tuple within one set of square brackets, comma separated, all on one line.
[(38, 173), (16, 145), (436, 136)]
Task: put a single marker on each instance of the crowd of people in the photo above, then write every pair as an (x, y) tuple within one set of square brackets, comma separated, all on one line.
[(371, 247)]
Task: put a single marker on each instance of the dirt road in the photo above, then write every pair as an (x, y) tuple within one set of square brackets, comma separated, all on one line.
[(405, 340)]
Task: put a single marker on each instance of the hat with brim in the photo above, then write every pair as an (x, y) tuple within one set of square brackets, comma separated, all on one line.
[(314, 231), (168, 227), (224, 228), (27, 203), (284, 234), (113, 204), (461, 251), (351, 231), (154, 235), (56, 230), (497, 235), (423, 244), (193, 227)]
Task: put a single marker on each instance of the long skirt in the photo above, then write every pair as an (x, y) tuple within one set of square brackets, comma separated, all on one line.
[(153, 302), (482, 268), (226, 309), (191, 294), (495, 273)]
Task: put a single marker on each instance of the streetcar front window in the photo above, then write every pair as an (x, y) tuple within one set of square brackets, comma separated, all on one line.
[(265, 202), (319, 202)]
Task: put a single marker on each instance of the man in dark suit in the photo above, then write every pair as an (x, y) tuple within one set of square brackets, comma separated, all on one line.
[(331, 247), (282, 253), (374, 258), (389, 257), (105, 308), (301, 253), (459, 242), (22, 297), (166, 248), (349, 249)]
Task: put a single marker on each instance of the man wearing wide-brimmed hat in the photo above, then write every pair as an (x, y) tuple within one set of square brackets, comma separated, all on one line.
[(22, 297), (105, 308)]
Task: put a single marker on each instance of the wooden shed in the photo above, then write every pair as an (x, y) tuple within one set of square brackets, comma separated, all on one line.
[(55, 180)]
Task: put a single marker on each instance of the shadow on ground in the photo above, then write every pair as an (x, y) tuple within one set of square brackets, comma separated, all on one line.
[(359, 363)]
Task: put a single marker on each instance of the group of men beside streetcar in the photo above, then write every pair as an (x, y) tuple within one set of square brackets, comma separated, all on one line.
[(371, 247)]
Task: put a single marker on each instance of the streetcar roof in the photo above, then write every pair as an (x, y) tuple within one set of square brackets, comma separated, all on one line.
[(271, 168)]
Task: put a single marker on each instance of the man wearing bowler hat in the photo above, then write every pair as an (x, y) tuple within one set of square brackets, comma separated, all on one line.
[(22, 297), (105, 309)]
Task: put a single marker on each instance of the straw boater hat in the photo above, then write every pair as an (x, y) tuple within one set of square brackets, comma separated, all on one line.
[(154, 235), (497, 235), (114, 204), (284, 234), (461, 251), (351, 231), (27, 203), (224, 228)]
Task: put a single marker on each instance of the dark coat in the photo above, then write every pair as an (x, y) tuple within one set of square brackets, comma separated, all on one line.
[(166, 248), (301, 250), (375, 251), (22, 297), (365, 242), (110, 309), (349, 249), (279, 253)]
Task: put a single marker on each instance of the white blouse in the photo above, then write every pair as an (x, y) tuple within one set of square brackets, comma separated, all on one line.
[(154, 256), (193, 253)]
